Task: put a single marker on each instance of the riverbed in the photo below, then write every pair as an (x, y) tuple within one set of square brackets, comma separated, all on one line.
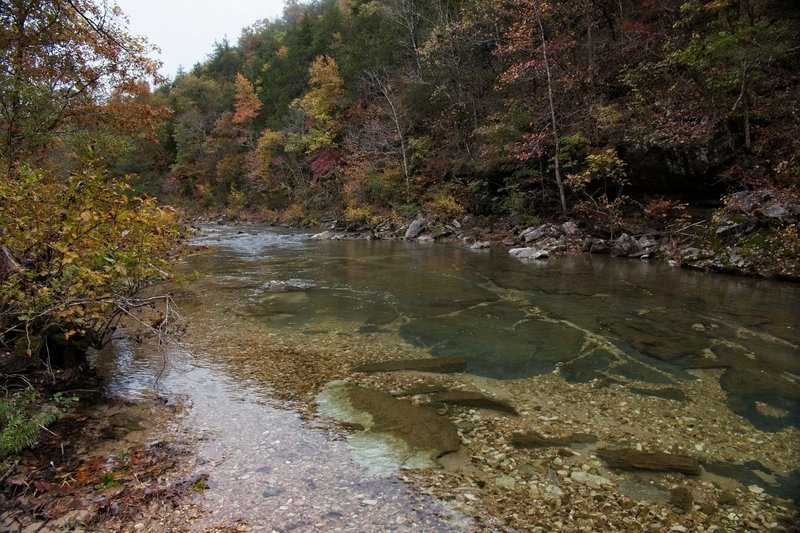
[(638, 355)]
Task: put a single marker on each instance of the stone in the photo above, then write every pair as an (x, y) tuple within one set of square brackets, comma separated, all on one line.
[(631, 459), (416, 227), (480, 245), (421, 427), (532, 439), (534, 234), (643, 492), (420, 389), (586, 478), (440, 365), (681, 497), (647, 241), (624, 245), (529, 253), (775, 211), (506, 482), (569, 228), (473, 399), (668, 393)]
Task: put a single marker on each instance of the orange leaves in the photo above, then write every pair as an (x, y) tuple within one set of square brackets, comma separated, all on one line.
[(247, 103)]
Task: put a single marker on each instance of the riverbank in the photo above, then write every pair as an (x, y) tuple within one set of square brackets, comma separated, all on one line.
[(106, 464), (754, 233)]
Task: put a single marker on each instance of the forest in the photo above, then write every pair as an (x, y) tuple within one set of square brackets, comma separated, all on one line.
[(655, 128), (522, 110)]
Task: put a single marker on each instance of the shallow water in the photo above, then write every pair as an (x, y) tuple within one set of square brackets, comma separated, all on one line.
[(631, 319), (589, 318)]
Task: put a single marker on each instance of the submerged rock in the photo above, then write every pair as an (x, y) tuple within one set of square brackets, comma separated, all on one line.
[(473, 399), (422, 388), (630, 459), (421, 427), (441, 365), (667, 393), (644, 492), (532, 439)]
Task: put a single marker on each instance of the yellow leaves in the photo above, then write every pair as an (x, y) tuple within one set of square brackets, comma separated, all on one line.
[(81, 243)]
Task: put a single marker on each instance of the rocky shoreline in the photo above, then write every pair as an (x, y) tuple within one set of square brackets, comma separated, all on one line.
[(754, 234)]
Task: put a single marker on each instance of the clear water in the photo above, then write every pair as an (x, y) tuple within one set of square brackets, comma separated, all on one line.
[(588, 317), (625, 318)]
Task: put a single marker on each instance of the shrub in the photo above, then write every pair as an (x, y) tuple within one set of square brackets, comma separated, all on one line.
[(82, 249)]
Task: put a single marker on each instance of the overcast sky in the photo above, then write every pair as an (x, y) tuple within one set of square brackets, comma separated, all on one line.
[(186, 30)]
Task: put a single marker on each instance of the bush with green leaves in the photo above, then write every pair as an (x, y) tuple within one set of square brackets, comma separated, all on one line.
[(21, 419)]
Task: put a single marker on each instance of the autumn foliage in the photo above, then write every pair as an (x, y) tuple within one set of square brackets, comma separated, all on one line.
[(78, 243)]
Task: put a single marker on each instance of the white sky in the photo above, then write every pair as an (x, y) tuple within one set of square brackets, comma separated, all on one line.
[(186, 30)]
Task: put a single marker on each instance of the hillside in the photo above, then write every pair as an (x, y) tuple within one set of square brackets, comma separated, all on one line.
[(624, 116)]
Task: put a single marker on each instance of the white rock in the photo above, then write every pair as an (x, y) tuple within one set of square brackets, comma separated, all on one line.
[(755, 489), (589, 479), (553, 489), (506, 482)]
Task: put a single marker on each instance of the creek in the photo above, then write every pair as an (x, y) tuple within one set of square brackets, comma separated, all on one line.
[(273, 316)]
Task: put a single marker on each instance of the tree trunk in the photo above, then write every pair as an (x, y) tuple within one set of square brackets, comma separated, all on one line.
[(559, 181)]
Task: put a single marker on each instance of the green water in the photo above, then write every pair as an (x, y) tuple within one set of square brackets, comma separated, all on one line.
[(588, 317)]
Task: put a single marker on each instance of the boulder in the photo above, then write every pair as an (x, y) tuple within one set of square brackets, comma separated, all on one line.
[(416, 227), (440, 365), (529, 253), (533, 233), (630, 459), (473, 399)]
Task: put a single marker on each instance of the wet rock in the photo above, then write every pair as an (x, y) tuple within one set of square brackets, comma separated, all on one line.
[(126, 421), (668, 393), (416, 227), (644, 492), (529, 253), (420, 427), (473, 399), (750, 382), (726, 498), (286, 286), (630, 459), (440, 365), (480, 245), (681, 497), (532, 439), (422, 388), (658, 339)]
